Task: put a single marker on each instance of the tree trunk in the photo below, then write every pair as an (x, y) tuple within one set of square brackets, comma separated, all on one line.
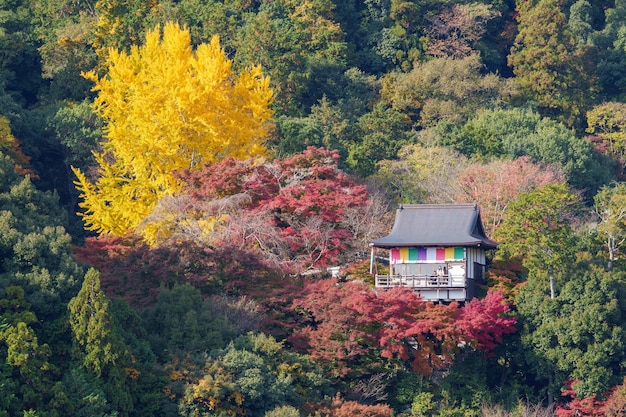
[(552, 291)]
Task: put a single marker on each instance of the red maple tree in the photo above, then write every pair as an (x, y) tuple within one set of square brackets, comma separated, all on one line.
[(577, 407), (343, 322), (292, 211)]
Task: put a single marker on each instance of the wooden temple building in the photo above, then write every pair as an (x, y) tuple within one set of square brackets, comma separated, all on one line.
[(439, 250)]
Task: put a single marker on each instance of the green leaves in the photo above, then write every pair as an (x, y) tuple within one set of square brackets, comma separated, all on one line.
[(254, 374), (90, 322), (536, 228), (517, 132), (22, 357), (106, 348), (35, 246), (547, 64), (445, 89), (610, 207), (182, 320), (580, 332), (381, 135)]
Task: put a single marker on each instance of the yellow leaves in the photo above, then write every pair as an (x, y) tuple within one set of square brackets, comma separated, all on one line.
[(6, 137), (210, 393), (168, 108), (609, 121), (237, 397)]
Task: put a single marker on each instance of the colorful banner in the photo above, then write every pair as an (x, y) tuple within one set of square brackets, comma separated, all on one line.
[(426, 255)]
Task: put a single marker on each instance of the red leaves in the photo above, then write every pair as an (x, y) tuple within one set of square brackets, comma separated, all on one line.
[(483, 322), (346, 321), (335, 331), (613, 406), (435, 331), (136, 272), (590, 406), (291, 211), (230, 177)]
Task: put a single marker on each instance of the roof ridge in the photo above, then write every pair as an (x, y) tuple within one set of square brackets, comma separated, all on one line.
[(438, 205)]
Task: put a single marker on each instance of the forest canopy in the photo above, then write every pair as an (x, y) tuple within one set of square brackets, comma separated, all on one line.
[(190, 188)]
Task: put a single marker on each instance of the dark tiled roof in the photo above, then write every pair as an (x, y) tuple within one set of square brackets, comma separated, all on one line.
[(436, 225)]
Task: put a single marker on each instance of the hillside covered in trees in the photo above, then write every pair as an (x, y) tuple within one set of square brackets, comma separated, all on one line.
[(178, 177)]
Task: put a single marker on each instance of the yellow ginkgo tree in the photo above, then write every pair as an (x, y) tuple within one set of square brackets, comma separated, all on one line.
[(167, 108)]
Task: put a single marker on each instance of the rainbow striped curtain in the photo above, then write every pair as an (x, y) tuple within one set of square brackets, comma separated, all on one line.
[(426, 255)]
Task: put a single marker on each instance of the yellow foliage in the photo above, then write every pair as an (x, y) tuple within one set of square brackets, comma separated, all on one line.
[(168, 108), (237, 397), (7, 140), (608, 120), (11, 147)]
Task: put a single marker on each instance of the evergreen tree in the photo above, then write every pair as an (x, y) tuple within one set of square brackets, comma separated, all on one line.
[(101, 351), (252, 375), (547, 64), (19, 66), (579, 334), (65, 31), (38, 275), (90, 322), (34, 245), (25, 369), (611, 42)]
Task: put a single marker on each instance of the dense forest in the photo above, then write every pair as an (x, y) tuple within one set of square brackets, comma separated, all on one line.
[(178, 177)]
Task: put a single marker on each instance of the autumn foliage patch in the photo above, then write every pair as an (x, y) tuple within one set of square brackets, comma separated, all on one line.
[(292, 212), (343, 322), (136, 272)]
